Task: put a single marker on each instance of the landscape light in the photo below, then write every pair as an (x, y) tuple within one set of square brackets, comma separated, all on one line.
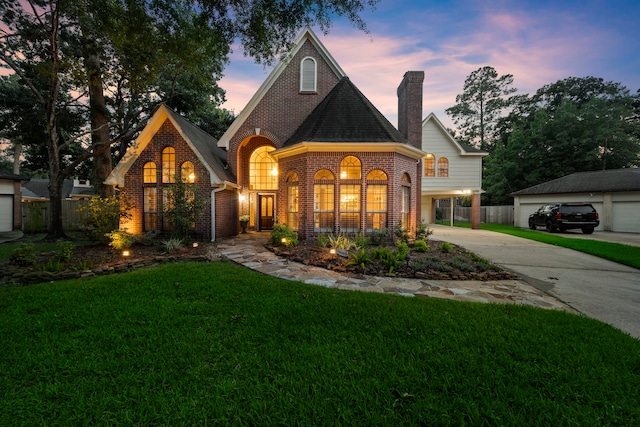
[(126, 253)]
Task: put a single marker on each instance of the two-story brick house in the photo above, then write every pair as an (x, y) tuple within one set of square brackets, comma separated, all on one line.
[(309, 150)]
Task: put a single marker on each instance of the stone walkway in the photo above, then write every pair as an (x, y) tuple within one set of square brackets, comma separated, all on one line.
[(248, 250)]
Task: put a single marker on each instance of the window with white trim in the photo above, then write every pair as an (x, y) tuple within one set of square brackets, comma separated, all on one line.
[(292, 201), (323, 201), (376, 200)]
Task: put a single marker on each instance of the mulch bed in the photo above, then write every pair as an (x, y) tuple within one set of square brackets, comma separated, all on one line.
[(434, 264)]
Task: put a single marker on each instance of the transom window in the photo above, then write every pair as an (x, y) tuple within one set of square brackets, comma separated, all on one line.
[(350, 168), (443, 166), (169, 165), (188, 172), (429, 165), (150, 173), (308, 75), (263, 170)]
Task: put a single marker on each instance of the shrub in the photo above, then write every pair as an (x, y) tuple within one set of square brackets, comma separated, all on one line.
[(120, 239), (360, 258), (24, 255), (282, 231), (53, 266), (402, 234), (361, 241), (461, 264), (82, 266), (182, 208), (392, 259), (377, 237), (446, 247), (103, 215), (423, 231), (172, 244), (420, 246), (341, 241), (424, 264), (323, 240), (63, 251)]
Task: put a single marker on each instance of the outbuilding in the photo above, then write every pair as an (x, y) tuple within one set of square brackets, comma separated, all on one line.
[(10, 195), (614, 193)]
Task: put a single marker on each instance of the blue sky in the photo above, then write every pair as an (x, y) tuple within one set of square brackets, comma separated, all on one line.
[(539, 42)]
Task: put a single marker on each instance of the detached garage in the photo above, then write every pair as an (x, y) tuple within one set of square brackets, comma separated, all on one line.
[(614, 193), (10, 201)]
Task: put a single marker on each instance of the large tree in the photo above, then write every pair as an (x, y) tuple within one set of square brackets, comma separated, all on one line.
[(572, 125), (126, 45), (485, 97)]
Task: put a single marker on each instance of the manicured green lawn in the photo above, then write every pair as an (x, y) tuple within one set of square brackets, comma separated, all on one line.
[(196, 344), (617, 252)]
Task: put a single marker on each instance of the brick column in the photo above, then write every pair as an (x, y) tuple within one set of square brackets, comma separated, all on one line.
[(475, 211)]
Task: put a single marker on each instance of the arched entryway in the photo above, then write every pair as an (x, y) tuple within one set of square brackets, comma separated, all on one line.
[(259, 174)]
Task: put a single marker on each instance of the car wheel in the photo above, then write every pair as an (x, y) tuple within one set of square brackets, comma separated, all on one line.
[(550, 227), (588, 230), (532, 225)]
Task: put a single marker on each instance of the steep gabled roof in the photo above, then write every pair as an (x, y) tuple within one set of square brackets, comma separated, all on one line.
[(346, 115), (306, 35), (465, 150), (613, 180), (203, 145)]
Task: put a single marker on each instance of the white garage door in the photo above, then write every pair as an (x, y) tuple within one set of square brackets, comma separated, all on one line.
[(6, 212), (625, 217)]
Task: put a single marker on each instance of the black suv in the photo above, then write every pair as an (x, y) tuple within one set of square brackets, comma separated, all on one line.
[(565, 216)]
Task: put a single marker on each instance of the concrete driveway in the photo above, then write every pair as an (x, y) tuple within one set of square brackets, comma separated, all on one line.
[(598, 288)]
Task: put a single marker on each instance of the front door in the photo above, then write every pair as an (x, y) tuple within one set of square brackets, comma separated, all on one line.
[(266, 211)]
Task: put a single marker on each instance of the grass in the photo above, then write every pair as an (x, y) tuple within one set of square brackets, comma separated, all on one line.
[(195, 344), (617, 252)]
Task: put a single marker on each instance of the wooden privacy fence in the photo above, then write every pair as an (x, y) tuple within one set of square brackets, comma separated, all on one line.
[(35, 215), (488, 214)]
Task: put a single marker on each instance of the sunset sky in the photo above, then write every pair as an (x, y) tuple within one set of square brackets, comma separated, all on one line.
[(539, 42)]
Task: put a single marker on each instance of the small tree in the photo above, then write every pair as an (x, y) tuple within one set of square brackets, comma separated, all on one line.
[(102, 215), (182, 208)]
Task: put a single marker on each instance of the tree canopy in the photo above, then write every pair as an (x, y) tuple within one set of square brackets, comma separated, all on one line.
[(126, 56), (572, 125)]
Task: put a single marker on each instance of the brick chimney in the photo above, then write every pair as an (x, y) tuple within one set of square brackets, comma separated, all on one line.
[(410, 107)]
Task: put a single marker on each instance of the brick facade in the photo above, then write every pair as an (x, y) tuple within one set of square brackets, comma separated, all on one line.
[(274, 119), (167, 136)]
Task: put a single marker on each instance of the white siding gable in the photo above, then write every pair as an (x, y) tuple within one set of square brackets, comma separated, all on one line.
[(465, 169)]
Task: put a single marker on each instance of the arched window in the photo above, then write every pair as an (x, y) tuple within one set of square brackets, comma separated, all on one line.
[(429, 165), (308, 75), (188, 172), (263, 170), (169, 165), (376, 200), (292, 201), (405, 202), (443, 166), (350, 168), (150, 173), (323, 197)]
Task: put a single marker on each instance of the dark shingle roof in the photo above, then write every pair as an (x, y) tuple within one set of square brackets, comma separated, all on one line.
[(39, 188), (346, 115), (589, 182), (10, 175), (206, 145)]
